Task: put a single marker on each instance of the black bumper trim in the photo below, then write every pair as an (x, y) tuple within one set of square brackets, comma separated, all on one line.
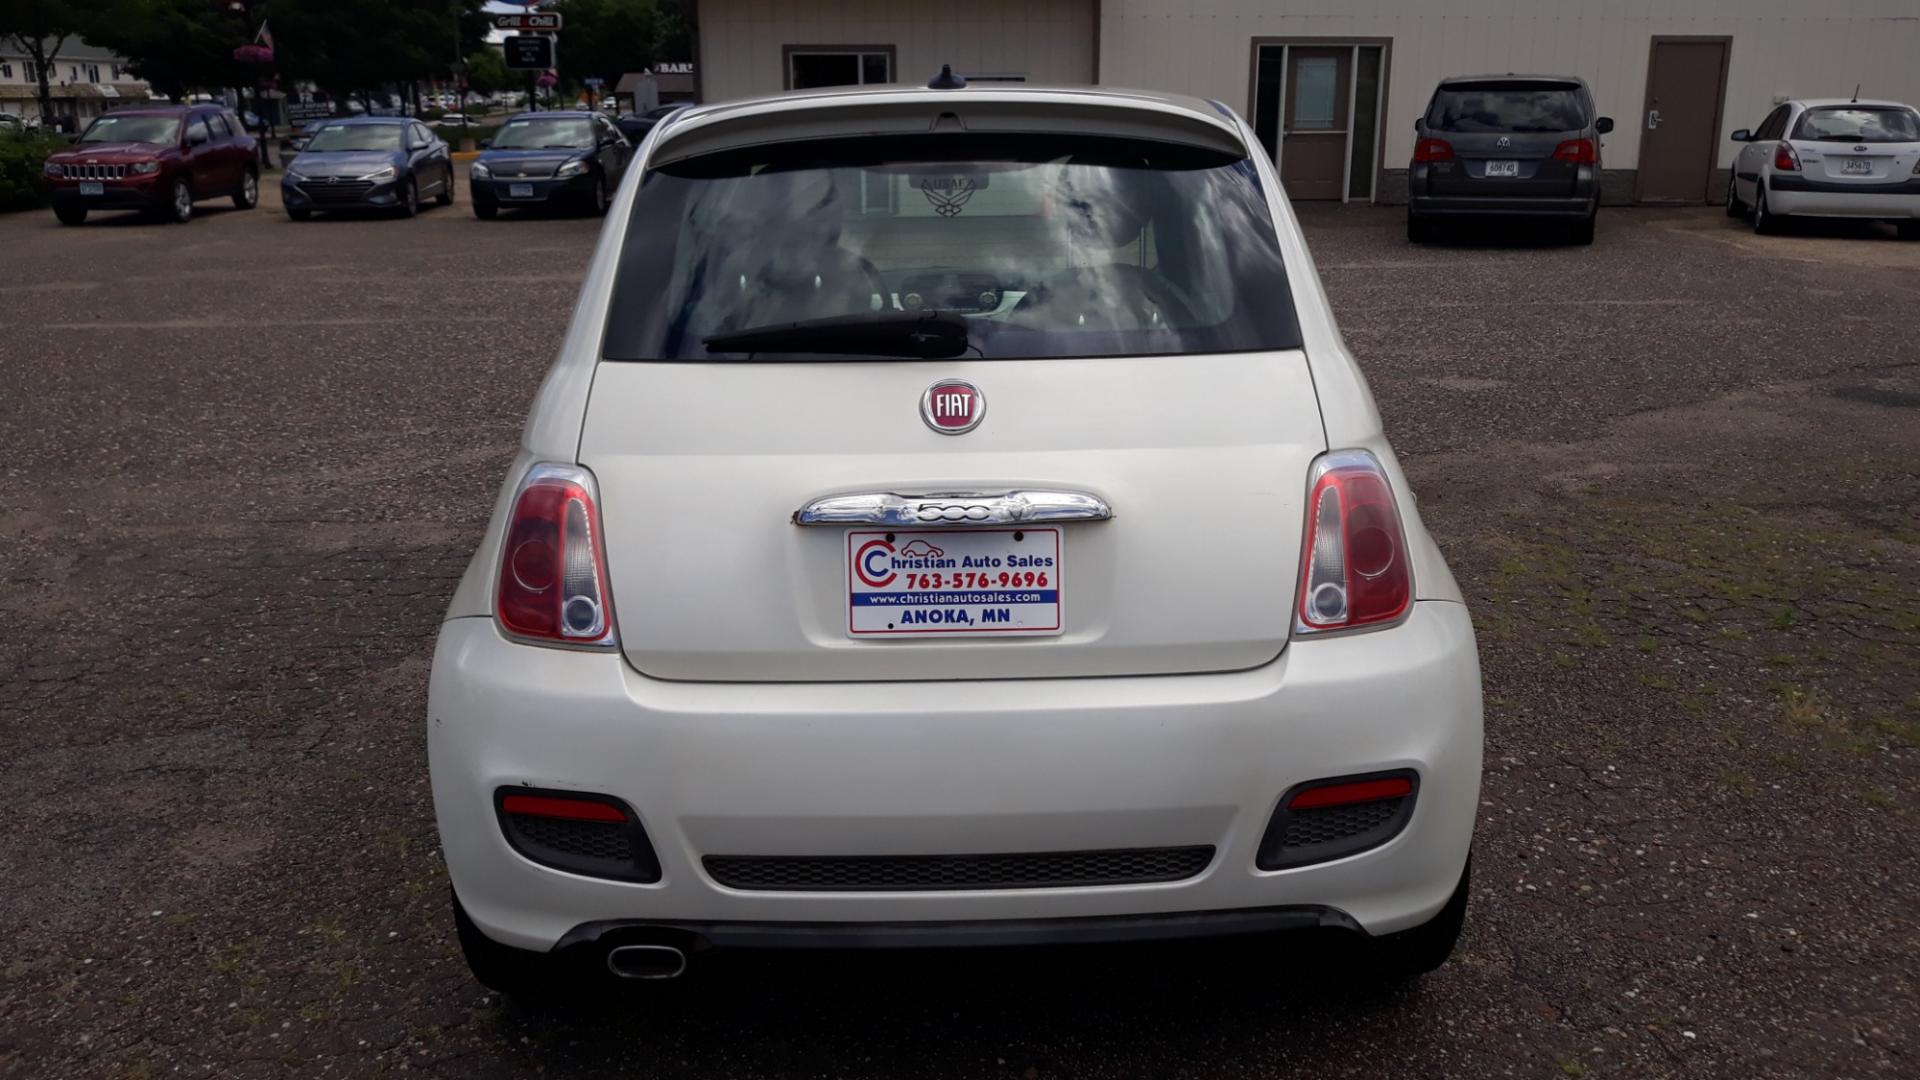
[(1094, 930), (1575, 208), (1782, 182)]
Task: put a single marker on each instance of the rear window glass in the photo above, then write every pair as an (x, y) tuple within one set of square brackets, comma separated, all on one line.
[(1516, 107), (1045, 246), (1858, 124)]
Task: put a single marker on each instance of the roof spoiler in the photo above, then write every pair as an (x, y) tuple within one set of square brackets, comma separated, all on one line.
[(924, 111)]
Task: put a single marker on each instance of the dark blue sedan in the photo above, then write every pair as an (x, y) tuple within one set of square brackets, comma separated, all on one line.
[(548, 158), (368, 163)]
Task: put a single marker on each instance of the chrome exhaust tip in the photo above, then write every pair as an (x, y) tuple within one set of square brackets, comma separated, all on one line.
[(647, 962)]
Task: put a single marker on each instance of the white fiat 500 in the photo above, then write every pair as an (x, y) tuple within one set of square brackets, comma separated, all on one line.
[(953, 518), (1830, 158)]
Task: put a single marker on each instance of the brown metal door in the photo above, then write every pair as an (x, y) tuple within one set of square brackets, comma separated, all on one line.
[(1313, 151), (1679, 130)]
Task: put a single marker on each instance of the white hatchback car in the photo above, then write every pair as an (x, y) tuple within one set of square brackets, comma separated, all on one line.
[(1830, 158), (953, 518)]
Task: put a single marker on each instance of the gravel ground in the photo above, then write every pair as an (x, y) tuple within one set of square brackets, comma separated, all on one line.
[(245, 462)]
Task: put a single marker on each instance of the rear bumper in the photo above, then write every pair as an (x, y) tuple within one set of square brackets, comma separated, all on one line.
[(988, 933), (1787, 194), (954, 768), (1574, 207)]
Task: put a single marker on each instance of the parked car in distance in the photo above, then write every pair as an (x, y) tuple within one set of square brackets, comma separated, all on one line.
[(1830, 157), (454, 119), (155, 158), (368, 163), (848, 693), (636, 125), (1507, 146), (572, 158), (11, 123)]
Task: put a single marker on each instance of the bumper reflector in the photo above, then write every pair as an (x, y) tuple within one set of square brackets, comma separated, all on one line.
[(594, 835), (1322, 820)]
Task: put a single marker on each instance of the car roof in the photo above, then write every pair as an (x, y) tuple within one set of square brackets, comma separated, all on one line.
[(367, 120), (1823, 103), (164, 110), (1510, 76)]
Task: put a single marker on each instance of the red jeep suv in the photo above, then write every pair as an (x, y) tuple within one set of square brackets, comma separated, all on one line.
[(156, 158)]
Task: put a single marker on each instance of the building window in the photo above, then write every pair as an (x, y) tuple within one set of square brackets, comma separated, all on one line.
[(6, 71), (28, 73), (810, 66), (93, 73)]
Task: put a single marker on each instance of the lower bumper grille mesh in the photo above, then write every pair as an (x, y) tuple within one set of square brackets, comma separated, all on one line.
[(905, 873)]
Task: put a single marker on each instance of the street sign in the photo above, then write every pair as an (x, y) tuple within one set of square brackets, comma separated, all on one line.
[(594, 82), (531, 20), (528, 52)]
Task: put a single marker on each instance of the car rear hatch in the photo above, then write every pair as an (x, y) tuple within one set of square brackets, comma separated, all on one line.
[(1194, 420), (1858, 144), (1504, 134)]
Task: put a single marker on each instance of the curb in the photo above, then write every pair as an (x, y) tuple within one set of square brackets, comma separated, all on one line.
[(465, 155)]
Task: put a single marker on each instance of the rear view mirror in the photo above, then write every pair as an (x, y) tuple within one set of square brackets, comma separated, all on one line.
[(1743, 135), (1603, 125)]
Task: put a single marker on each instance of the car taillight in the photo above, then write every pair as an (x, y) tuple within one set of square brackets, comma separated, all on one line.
[(1354, 568), (1785, 159), (1433, 150), (552, 585), (1578, 151)]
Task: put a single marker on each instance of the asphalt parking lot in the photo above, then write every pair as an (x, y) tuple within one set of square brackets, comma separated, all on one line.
[(1677, 474)]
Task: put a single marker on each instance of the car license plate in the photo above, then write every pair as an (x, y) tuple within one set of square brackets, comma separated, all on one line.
[(92, 187), (953, 581), (1503, 168), (1856, 166), (519, 191)]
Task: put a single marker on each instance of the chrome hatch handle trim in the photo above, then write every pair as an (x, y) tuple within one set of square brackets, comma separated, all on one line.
[(957, 508)]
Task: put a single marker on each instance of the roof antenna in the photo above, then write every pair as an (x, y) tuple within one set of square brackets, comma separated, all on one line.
[(946, 80), (1856, 94)]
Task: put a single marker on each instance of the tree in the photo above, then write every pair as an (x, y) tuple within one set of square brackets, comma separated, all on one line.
[(487, 73), (605, 39), (40, 28)]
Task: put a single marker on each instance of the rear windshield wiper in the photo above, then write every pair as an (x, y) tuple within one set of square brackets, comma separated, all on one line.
[(928, 335)]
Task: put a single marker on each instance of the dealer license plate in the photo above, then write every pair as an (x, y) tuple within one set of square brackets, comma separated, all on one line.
[(519, 191), (953, 581), (1503, 168), (92, 187), (1856, 166)]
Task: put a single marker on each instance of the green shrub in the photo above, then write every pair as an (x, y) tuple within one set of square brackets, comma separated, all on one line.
[(21, 158)]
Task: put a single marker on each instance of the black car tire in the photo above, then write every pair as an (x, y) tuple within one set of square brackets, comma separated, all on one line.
[(1908, 230), (1581, 233), (248, 196), (1735, 208), (1765, 222), (299, 215), (485, 211), (445, 198), (1410, 954), (1419, 231), (180, 206), (599, 205), (71, 215), (409, 198)]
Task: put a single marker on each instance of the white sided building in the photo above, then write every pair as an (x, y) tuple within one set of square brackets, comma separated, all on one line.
[(1333, 86)]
